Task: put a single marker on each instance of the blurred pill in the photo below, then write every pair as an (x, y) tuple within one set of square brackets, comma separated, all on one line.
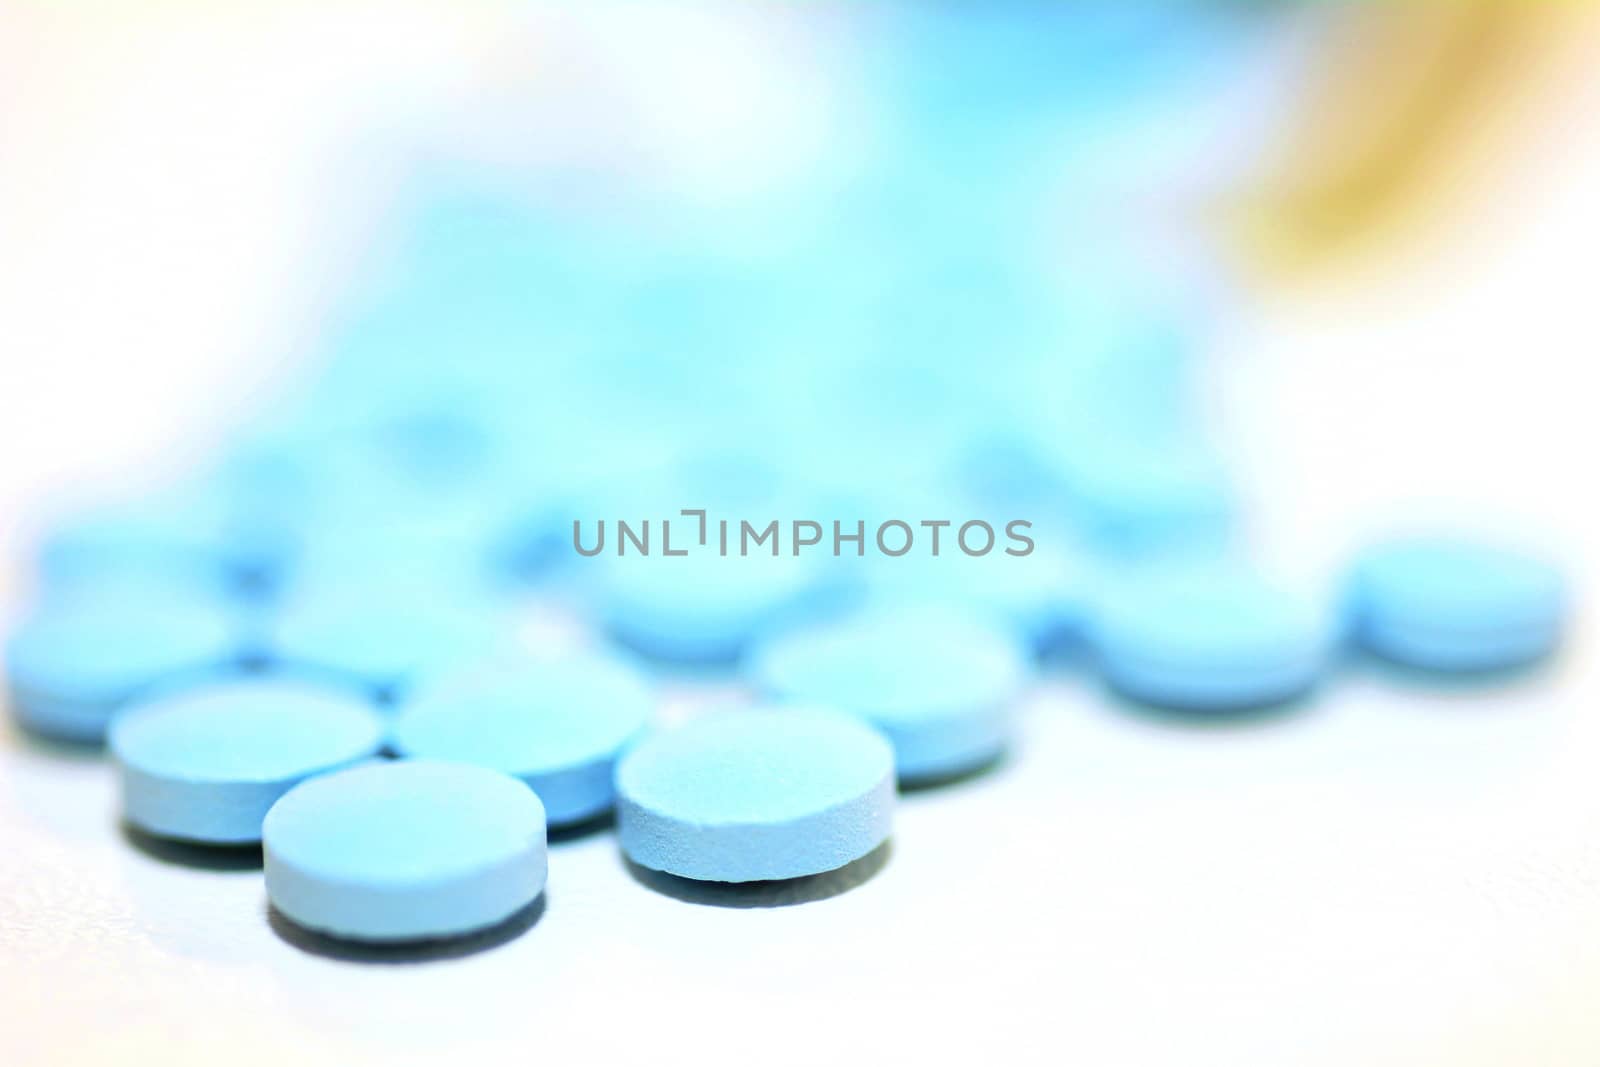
[(702, 608), (556, 722), (1042, 596), (1134, 498), (1454, 604), (201, 535), (387, 638), (1211, 639), (76, 661), (942, 684)]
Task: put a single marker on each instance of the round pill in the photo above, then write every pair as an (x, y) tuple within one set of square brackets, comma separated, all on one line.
[(1209, 640), (696, 586), (205, 764), (756, 794), (405, 851), (386, 639), (373, 523), (558, 724), (72, 665), (1135, 498), (1454, 605), (702, 608), (1042, 596), (204, 535), (941, 684)]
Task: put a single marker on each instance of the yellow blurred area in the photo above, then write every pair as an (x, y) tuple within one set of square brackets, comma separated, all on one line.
[(1411, 107)]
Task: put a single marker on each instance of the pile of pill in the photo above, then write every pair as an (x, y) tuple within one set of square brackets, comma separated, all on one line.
[(313, 641), (399, 755)]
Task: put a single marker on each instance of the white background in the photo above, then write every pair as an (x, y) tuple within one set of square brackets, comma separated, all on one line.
[(1393, 874)]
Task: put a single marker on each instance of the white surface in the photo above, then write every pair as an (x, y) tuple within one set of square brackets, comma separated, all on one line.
[(1394, 874)]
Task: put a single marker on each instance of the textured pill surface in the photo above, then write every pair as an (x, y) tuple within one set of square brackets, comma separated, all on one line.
[(756, 794), (1455, 605), (941, 684), (405, 851), (558, 724), (205, 764), (1210, 640), (70, 667)]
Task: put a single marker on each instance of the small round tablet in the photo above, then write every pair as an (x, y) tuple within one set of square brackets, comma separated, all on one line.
[(72, 665), (204, 534), (205, 764), (558, 724), (1042, 597), (1134, 498), (405, 851), (756, 794), (1453, 605), (941, 684), (1209, 640), (702, 608)]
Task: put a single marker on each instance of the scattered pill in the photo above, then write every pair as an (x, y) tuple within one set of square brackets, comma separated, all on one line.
[(405, 851), (200, 535), (1209, 640), (1455, 605), (756, 794), (557, 723), (700, 397), (1135, 498), (1042, 596), (205, 763), (703, 608), (78, 660), (387, 639), (942, 685), (397, 566)]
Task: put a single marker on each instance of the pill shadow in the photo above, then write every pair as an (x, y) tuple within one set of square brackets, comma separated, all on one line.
[(711, 669), (932, 783), (593, 826), (55, 748), (1263, 714), (190, 854), (781, 893), (1062, 652), (1408, 676), (432, 950)]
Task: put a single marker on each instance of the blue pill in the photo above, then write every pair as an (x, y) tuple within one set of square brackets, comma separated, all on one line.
[(1132, 497), (1455, 605), (205, 764), (76, 662), (405, 851), (205, 535), (397, 566), (703, 608), (385, 639), (1210, 640), (1042, 597), (941, 684), (558, 724), (755, 795)]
